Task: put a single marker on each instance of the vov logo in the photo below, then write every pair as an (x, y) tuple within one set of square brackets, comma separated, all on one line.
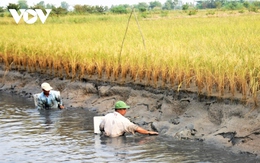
[(25, 14)]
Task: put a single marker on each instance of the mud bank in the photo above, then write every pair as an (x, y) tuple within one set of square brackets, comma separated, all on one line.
[(225, 123)]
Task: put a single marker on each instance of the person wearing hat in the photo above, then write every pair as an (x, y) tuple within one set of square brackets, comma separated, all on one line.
[(49, 99), (115, 124)]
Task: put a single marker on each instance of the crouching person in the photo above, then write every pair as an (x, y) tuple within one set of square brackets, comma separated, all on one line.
[(49, 99), (115, 124)]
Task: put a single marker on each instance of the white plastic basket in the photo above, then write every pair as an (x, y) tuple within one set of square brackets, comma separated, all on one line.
[(35, 97), (97, 120)]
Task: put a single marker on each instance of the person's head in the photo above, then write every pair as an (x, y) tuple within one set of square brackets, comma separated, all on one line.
[(120, 106), (46, 88)]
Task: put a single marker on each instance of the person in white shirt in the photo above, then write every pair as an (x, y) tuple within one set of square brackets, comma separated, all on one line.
[(49, 99), (115, 124)]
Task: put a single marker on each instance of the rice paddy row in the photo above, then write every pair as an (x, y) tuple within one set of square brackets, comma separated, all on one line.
[(217, 56)]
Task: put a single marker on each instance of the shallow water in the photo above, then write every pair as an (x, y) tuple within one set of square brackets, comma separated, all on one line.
[(28, 135)]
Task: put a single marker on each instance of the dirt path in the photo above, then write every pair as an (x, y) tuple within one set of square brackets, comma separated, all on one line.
[(183, 115)]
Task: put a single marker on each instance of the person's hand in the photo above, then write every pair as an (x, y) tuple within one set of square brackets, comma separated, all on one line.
[(61, 107), (153, 133)]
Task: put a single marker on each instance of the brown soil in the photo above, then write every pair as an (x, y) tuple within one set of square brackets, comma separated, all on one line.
[(225, 123)]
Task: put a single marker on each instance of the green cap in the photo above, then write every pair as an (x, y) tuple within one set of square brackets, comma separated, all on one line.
[(121, 105)]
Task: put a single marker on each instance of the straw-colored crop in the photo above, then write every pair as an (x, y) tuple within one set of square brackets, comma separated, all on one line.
[(217, 56)]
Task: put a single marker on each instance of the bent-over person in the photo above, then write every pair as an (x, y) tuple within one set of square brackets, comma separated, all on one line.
[(115, 124), (49, 99)]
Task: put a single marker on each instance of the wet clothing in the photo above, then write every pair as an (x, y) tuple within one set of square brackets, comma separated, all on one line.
[(50, 102), (114, 125)]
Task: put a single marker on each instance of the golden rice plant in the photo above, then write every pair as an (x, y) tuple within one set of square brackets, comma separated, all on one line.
[(164, 76), (124, 72), (217, 55), (133, 72), (107, 70)]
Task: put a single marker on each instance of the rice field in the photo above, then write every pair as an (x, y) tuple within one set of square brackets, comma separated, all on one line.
[(214, 55)]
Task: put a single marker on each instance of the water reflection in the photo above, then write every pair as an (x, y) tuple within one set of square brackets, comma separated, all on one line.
[(29, 135), (121, 149), (48, 120)]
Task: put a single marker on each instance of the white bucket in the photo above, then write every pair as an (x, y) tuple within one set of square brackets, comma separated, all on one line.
[(97, 120), (35, 98)]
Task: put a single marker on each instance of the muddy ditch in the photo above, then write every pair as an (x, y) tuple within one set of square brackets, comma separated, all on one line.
[(183, 115)]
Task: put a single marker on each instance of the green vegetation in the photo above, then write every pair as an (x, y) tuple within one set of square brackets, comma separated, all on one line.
[(214, 54), (153, 6)]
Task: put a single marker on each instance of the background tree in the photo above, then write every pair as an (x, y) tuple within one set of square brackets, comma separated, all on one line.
[(91, 9), (78, 9), (142, 7), (2, 9), (58, 11), (185, 7), (13, 6), (23, 4), (246, 4), (233, 5), (2, 12), (64, 5), (256, 3), (87, 9), (170, 5), (218, 4), (155, 4), (206, 4), (119, 9), (49, 6), (101, 9), (39, 5)]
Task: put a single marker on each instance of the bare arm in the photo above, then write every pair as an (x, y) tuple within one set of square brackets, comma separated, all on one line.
[(59, 100), (143, 131)]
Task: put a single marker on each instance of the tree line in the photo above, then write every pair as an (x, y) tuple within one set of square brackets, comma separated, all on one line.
[(65, 8)]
